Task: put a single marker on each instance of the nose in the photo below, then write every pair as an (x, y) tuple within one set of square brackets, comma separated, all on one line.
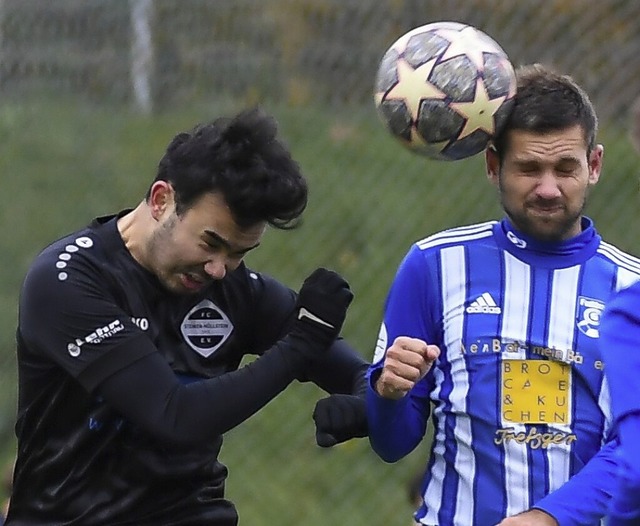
[(216, 268), (548, 187)]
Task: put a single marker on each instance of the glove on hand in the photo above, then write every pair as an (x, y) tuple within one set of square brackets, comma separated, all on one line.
[(340, 417), (321, 308)]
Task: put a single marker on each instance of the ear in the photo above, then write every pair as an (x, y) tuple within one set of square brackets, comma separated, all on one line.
[(595, 163), (492, 162), (161, 199)]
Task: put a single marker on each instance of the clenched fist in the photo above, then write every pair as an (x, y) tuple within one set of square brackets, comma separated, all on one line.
[(407, 361)]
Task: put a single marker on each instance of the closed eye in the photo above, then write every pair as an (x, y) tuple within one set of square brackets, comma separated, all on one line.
[(566, 169)]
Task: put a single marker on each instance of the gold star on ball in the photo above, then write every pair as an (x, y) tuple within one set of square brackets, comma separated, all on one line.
[(433, 149), (479, 112), (413, 86), (467, 42)]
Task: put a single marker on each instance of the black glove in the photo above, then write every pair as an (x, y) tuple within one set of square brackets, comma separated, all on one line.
[(321, 309), (340, 417)]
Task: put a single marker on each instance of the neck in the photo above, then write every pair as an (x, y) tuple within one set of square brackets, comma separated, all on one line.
[(133, 228)]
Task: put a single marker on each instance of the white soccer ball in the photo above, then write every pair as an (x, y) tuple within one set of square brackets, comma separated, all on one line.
[(444, 89)]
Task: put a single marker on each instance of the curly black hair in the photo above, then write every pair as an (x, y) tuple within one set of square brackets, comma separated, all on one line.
[(242, 158)]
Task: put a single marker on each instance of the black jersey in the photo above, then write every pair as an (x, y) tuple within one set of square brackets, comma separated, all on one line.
[(88, 313)]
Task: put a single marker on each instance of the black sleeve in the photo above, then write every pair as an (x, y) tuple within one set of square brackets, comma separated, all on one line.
[(148, 394), (340, 370)]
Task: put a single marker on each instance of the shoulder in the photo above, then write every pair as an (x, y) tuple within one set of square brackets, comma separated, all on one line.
[(256, 286), (75, 258), (628, 297), (628, 266), (260, 305), (457, 236), (618, 256), (64, 253)]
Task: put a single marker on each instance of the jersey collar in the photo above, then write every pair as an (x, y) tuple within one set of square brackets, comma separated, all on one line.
[(559, 254)]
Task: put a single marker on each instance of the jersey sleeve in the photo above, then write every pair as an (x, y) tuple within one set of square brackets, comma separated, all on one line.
[(397, 426), (340, 369), (71, 318), (619, 337), (594, 484), (624, 509), (272, 314), (408, 308)]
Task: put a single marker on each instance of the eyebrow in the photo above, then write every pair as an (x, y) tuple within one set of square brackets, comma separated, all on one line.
[(563, 159), (226, 243)]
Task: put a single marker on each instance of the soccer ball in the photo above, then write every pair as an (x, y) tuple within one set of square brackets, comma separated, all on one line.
[(444, 90)]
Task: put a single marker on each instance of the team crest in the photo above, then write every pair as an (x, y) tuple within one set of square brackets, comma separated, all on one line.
[(589, 313), (205, 328)]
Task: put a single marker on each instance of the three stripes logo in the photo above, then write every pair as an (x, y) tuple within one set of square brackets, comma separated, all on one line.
[(484, 304)]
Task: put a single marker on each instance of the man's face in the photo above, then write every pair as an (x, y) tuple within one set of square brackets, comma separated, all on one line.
[(544, 180), (187, 252)]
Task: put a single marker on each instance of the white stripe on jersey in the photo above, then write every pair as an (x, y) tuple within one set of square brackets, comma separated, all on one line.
[(453, 267), (625, 278), (457, 235), (564, 296), (618, 257), (517, 298), (454, 294), (433, 493), (604, 401)]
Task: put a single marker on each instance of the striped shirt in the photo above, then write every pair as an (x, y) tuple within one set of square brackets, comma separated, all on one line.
[(520, 403)]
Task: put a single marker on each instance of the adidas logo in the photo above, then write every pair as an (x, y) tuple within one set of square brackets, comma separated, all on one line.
[(485, 304)]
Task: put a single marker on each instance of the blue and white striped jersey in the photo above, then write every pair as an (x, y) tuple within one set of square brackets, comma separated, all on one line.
[(520, 403)]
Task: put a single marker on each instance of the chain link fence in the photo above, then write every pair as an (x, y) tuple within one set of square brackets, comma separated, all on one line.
[(91, 91)]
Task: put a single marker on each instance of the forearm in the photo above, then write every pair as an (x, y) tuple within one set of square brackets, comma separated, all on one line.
[(625, 505), (340, 370), (594, 484), (396, 427), (149, 395)]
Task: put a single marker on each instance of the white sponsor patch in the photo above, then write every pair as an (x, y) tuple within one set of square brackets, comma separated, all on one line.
[(96, 337)]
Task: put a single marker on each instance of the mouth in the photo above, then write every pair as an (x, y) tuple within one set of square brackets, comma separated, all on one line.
[(193, 281), (546, 209)]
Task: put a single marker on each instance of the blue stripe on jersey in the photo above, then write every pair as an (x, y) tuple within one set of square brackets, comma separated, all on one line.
[(452, 269), (483, 368)]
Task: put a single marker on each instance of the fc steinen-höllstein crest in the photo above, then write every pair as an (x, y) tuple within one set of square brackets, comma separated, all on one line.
[(205, 328)]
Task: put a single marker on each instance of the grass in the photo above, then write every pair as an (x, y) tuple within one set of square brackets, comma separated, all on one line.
[(64, 162)]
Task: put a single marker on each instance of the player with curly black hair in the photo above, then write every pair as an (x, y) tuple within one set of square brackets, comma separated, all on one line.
[(131, 334)]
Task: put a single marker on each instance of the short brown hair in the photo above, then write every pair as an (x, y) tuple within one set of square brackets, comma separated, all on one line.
[(548, 101)]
